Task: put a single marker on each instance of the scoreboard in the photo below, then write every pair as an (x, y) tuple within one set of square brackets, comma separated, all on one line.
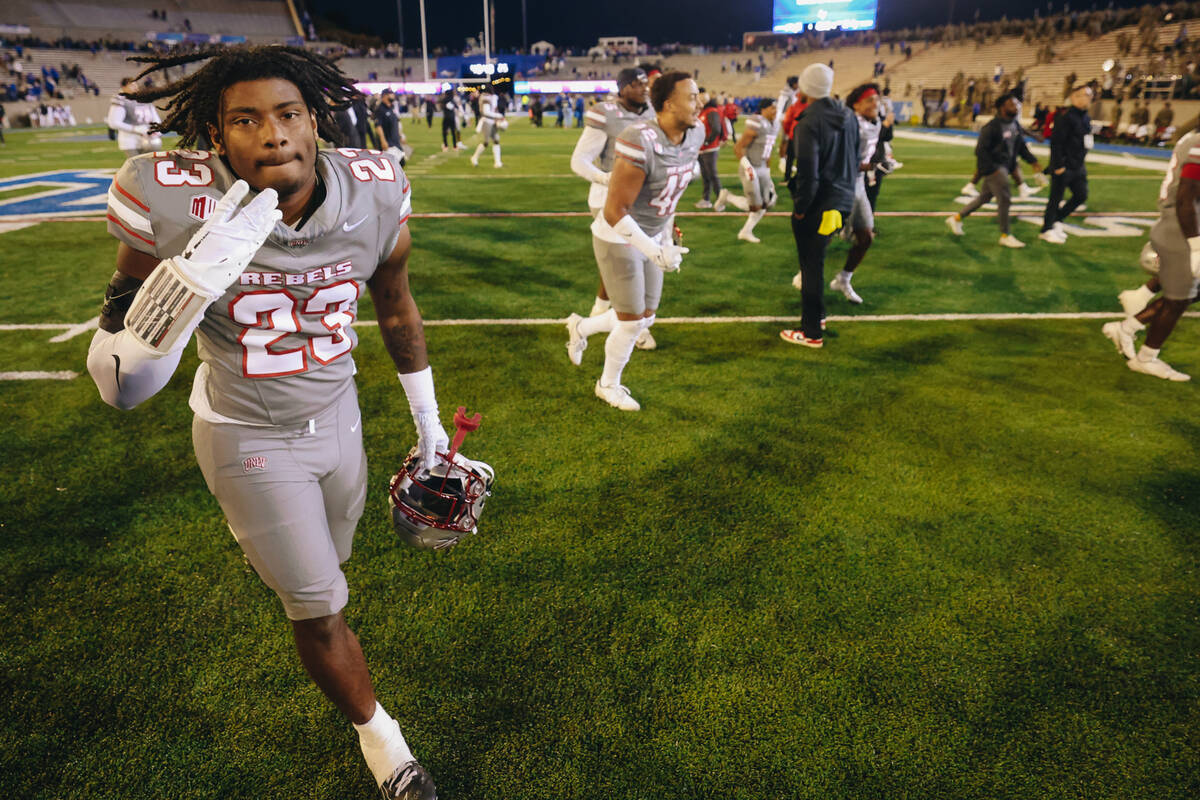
[(796, 16)]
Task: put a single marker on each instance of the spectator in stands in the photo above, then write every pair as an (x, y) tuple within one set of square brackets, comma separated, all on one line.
[(2, 124), (1164, 117), (1069, 143)]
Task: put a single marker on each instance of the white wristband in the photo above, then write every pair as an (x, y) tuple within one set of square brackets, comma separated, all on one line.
[(418, 387), (1194, 243)]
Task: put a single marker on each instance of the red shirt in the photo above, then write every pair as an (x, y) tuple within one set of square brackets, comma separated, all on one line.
[(789, 118)]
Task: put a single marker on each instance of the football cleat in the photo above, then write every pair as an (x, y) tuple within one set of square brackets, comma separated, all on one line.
[(840, 284), (969, 190), (1028, 191), (1052, 237), (746, 236), (434, 510), (797, 337), (1117, 335), (645, 341), (409, 782), (1158, 368), (703, 204), (954, 223), (576, 343), (1008, 240), (474, 161), (617, 397), (1060, 229), (722, 198)]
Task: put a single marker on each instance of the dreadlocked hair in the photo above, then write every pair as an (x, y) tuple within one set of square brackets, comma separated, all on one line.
[(194, 101)]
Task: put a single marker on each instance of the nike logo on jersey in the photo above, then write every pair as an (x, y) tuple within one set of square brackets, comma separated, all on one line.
[(117, 370), (347, 227)]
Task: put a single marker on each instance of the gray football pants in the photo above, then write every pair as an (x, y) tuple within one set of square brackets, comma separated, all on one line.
[(634, 283), (995, 185), (293, 496)]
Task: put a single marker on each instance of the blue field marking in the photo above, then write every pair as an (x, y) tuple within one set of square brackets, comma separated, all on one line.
[(67, 193)]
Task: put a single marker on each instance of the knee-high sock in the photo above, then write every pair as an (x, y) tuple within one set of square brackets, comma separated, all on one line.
[(600, 306), (601, 323), (753, 220), (496, 152), (738, 201), (617, 349), (478, 151)]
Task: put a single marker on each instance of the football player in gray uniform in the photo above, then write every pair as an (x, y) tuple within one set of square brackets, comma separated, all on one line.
[(491, 122), (270, 291), (633, 236), (754, 150), (132, 120), (1174, 251), (592, 160), (860, 228)]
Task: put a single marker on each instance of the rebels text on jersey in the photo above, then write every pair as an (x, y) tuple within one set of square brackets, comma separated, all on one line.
[(277, 346)]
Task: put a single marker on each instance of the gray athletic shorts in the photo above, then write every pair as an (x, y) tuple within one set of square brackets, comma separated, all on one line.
[(632, 281), (862, 218), (760, 191), (1174, 261), (292, 496)]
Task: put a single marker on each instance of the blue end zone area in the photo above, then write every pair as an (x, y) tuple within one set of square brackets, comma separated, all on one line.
[(1163, 153)]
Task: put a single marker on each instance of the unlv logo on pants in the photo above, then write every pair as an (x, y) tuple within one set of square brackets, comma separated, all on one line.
[(201, 206)]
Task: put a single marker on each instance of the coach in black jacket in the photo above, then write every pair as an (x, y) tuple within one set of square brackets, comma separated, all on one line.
[(825, 155), (1068, 148), (1000, 142)]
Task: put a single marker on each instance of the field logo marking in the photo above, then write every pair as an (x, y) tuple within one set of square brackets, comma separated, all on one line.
[(1107, 226), (68, 193)]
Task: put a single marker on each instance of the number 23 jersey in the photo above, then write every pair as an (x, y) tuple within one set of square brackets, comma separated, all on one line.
[(277, 346)]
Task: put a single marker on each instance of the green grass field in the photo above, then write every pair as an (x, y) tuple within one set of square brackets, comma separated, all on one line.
[(951, 559)]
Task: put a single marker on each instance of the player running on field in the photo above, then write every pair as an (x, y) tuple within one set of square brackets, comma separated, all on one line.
[(753, 150), (132, 120), (491, 122), (1175, 239), (632, 237), (593, 160), (270, 289)]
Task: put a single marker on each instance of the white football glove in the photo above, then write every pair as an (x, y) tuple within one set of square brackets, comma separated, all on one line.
[(219, 252), (669, 257), (747, 168), (602, 178), (502, 123), (666, 257), (1194, 247), (431, 439)]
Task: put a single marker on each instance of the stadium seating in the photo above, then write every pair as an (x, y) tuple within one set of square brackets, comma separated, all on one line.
[(258, 20)]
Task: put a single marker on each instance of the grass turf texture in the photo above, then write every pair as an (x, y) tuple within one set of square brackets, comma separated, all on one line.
[(933, 560)]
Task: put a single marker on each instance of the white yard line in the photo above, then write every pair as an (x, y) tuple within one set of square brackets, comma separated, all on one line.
[(64, 375), (75, 330), (1114, 159)]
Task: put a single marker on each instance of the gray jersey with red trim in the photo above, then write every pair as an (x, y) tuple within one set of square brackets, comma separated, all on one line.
[(1186, 153), (613, 119), (135, 113), (763, 145), (278, 343), (668, 169)]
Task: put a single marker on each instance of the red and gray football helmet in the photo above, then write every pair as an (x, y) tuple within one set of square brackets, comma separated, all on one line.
[(434, 509)]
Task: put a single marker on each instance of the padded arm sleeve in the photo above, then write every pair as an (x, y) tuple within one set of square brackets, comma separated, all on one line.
[(116, 121), (127, 372), (587, 150)]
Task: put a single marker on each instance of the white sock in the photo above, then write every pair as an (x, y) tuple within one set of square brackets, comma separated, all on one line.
[(496, 152), (1147, 353), (844, 276), (382, 744), (738, 201), (478, 152), (1131, 325), (600, 306), (753, 220), (600, 323), (617, 350)]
